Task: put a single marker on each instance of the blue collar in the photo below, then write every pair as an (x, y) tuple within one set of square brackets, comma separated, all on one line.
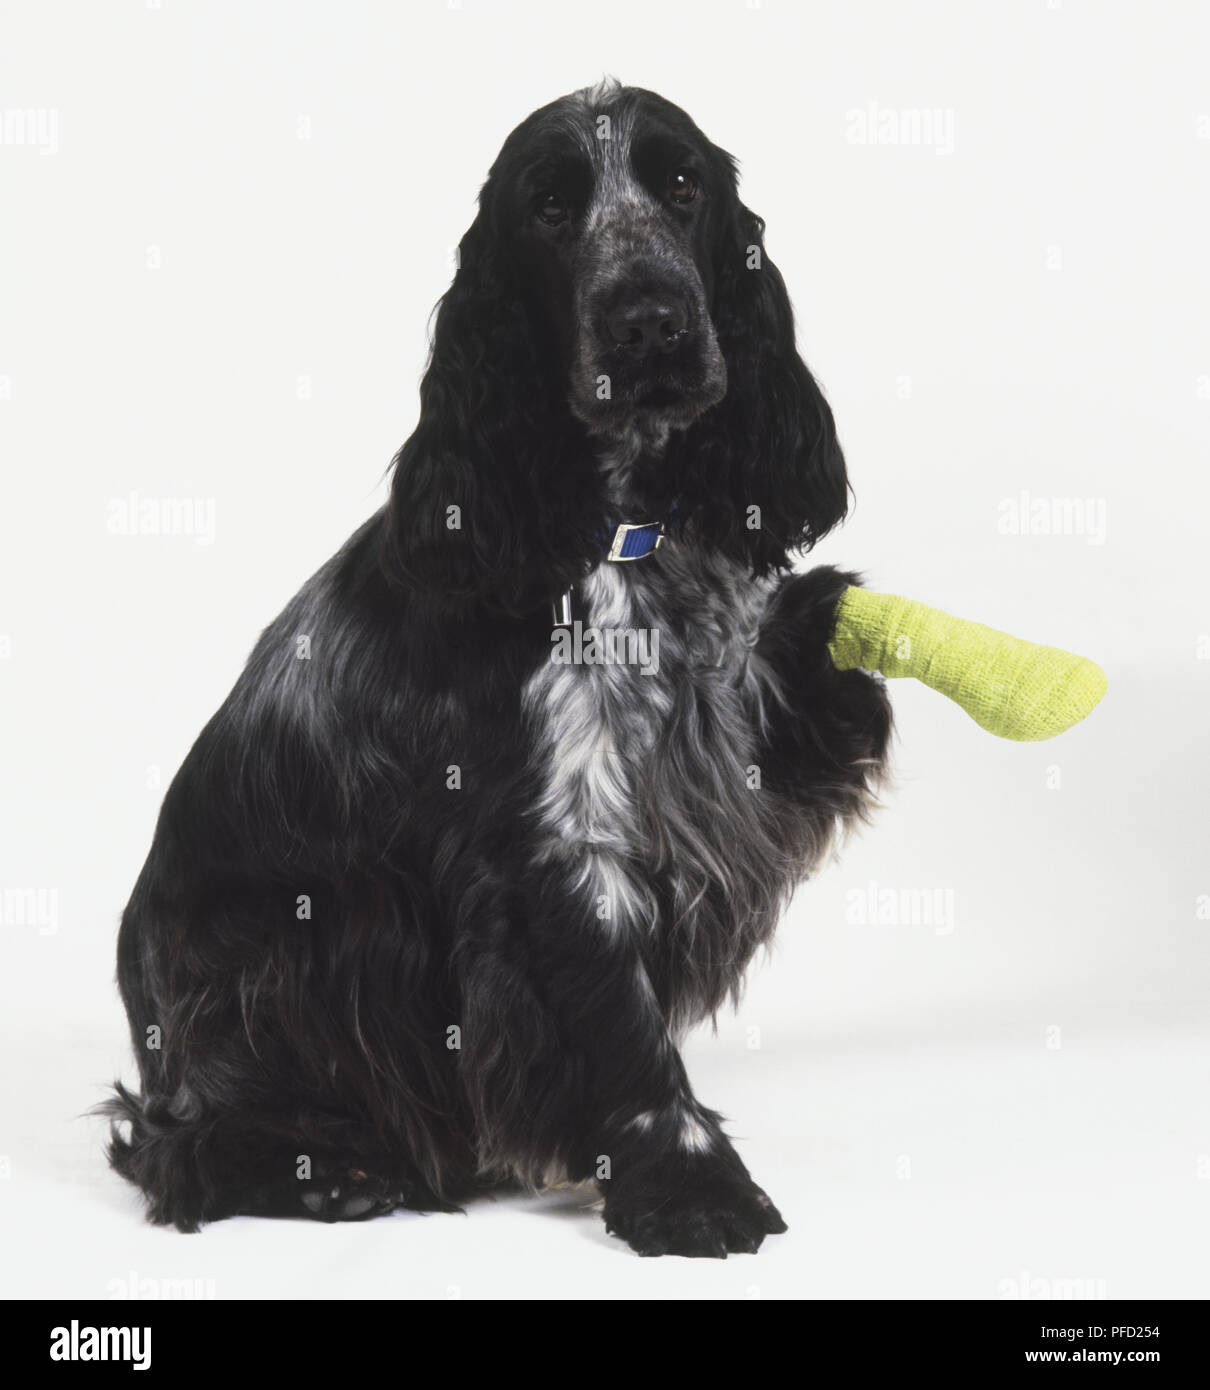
[(632, 540), (628, 540)]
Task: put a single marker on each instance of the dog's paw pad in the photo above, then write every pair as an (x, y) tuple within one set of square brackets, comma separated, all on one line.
[(351, 1197)]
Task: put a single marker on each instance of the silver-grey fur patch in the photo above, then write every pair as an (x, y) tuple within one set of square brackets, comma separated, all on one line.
[(645, 778), (626, 237)]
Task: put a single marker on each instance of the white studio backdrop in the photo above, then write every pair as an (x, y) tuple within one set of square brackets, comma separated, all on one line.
[(976, 1064)]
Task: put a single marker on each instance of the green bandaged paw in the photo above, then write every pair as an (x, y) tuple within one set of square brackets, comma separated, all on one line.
[(1009, 687)]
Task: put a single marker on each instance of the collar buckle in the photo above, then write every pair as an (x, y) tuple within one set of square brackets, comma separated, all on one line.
[(628, 545)]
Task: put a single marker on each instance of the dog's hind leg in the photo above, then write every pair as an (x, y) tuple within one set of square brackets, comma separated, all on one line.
[(192, 1168), (195, 1169)]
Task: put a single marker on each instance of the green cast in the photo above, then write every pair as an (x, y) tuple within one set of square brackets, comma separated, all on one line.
[(1009, 687)]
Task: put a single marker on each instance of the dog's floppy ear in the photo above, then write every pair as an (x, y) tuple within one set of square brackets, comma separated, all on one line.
[(769, 472), (491, 499)]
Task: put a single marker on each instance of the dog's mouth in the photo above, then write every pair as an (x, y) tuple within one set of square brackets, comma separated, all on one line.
[(615, 389), (660, 396)]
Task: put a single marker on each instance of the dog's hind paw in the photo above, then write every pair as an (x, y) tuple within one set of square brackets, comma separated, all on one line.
[(351, 1196)]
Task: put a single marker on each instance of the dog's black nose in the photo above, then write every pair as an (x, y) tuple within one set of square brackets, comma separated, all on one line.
[(646, 326)]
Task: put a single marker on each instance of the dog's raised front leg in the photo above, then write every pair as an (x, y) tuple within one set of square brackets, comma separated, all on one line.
[(824, 731)]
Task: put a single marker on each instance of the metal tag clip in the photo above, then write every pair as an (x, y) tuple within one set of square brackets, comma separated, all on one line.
[(561, 610)]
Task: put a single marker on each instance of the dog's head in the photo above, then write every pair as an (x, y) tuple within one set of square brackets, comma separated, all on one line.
[(620, 208), (612, 297)]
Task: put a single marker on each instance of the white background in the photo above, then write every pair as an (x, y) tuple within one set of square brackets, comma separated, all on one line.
[(215, 284)]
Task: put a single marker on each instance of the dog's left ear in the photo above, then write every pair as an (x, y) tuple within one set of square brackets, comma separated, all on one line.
[(769, 471), (492, 496)]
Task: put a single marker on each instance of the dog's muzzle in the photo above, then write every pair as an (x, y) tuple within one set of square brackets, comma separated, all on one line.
[(647, 350)]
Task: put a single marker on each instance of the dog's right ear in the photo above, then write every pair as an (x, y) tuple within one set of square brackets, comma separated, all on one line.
[(492, 499)]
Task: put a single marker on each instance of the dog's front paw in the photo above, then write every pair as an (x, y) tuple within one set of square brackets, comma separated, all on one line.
[(705, 1215)]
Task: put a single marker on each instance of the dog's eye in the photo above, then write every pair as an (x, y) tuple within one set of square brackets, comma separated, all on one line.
[(682, 186), (552, 208)]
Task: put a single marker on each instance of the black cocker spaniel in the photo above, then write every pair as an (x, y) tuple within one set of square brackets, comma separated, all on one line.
[(510, 793)]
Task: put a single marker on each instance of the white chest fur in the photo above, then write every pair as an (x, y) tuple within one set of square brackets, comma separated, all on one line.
[(655, 715)]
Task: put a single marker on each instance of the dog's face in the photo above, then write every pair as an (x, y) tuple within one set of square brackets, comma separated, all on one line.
[(612, 290), (614, 199)]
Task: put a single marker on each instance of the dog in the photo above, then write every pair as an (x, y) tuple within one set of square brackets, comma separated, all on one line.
[(428, 908)]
